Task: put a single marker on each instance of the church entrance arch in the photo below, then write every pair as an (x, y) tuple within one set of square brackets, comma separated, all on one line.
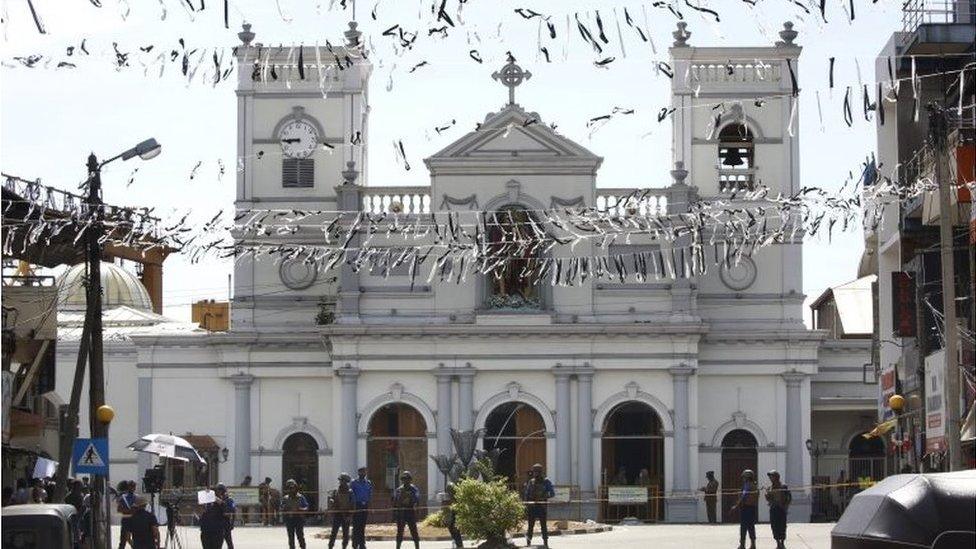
[(300, 461), (738, 454), (633, 455), (519, 431), (866, 458), (396, 442)]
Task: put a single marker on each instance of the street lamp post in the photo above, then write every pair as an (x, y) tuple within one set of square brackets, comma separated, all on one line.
[(817, 450), (145, 150)]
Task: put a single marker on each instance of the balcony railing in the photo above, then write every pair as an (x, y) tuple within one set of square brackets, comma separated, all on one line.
[(632, 201), (916, 13), (736, 180), (736, 72), (399, 200)]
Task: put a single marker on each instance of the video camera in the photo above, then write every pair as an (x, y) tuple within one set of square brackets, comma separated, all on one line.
[(152, 482)]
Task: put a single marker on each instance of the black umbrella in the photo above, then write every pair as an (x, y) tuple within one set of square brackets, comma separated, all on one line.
[(936, 511)]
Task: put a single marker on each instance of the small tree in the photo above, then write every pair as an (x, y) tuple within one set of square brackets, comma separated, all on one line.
[(487, 510)]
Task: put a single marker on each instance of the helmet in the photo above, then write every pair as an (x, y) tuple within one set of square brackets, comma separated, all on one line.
[(344, 477), (748, 473), (220, 487), (406, 475), (537, 467), (773, 473), (290, 483)]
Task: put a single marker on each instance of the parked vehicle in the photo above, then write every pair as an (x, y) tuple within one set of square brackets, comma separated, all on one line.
[(39, 526), (935, 510)]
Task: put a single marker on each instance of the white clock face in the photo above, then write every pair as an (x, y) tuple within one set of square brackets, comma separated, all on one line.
[(298, 139)]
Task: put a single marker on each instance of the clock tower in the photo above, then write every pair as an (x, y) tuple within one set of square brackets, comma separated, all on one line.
[(302, 115)]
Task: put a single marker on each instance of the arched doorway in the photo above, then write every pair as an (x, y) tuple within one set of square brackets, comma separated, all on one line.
[(866, 458), (396, 442), (633, 455), (519, 431), (738, 454), (300, 461)]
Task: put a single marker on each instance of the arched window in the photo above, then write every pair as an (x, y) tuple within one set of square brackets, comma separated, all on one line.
[(736, 156), (513, 281)]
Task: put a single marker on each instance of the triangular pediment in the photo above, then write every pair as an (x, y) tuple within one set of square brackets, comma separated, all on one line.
[(513, 133)]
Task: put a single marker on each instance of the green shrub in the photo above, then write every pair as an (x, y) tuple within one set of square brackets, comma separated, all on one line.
[(435, 520), (486, 510)]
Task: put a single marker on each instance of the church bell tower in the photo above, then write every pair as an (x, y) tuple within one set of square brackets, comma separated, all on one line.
[(302, 114)]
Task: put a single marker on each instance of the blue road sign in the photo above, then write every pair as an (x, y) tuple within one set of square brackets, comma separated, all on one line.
[(90, 456)]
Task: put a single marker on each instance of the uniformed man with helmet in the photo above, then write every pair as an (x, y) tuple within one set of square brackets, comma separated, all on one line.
[(405, 500), (341, 507), (538, 490)]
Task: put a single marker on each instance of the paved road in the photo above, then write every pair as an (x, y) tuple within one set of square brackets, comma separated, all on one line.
[(800, 536)]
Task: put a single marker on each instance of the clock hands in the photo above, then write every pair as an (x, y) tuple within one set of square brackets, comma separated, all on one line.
[(291, 140)]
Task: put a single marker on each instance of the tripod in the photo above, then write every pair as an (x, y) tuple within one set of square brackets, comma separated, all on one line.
[(172, 521)]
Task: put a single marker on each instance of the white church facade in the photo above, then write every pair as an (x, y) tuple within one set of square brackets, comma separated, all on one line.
[(650, 382)]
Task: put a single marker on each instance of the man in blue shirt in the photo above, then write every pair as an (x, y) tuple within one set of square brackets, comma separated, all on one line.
[(405, 500), (538, 490), (362, 493), (127, 497), (230, 508)]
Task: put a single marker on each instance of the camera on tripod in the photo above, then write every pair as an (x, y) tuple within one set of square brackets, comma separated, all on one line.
[(152, 482)]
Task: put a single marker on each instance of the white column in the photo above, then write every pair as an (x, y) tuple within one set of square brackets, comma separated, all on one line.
[(443, 420), (680, 482), (563, 426), (466, 399), (795, 446), (349, 377), (682, 506), (242, 426), (585, 430)]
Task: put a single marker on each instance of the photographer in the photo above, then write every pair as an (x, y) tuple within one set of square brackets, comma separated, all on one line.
[(126, 500), (213, 523), (143, 528)]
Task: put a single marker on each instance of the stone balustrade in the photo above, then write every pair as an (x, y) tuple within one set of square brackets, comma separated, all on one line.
[(399, 200), (632, 201)]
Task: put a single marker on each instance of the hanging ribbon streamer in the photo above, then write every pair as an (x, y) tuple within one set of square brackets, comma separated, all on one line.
[(848, 115)]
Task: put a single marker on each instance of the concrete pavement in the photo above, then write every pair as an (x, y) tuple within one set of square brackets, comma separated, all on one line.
[(658, 536)]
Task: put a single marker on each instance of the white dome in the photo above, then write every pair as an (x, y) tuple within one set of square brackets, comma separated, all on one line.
[(119, 287)]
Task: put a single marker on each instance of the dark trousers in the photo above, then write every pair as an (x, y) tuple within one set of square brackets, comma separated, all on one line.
[(408, 518), (295, 526), (211, 539), (229, 536), (124, 533), (710, 509), (359, 527), (452, 529), (747, 523), (537, 511), (340, 520), (777, 522)]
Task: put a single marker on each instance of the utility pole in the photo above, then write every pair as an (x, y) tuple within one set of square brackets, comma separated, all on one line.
[(939, 131), (96, 374)]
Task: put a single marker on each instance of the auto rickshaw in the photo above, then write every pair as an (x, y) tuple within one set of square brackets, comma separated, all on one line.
[(39, 526)]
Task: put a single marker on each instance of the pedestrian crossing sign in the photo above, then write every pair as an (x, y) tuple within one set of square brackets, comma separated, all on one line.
[(90, 456)]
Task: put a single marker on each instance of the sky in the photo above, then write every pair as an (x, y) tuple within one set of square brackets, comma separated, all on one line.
[(51, 118)]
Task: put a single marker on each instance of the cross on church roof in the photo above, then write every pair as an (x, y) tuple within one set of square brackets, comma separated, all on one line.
[(511, 76)]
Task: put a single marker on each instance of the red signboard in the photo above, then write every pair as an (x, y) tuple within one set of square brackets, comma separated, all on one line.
[(903, 304)]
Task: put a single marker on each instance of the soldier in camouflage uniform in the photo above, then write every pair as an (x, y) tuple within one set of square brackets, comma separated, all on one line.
[(538, 490), (341, 507), (449, 517), (405, 500)]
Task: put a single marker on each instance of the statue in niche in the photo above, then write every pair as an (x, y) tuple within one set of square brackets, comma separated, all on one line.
[(513, 284)]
